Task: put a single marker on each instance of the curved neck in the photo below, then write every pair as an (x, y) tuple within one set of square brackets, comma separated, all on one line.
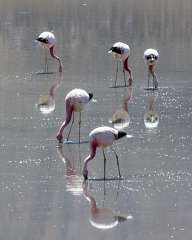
[(55, 57), (93, 147)]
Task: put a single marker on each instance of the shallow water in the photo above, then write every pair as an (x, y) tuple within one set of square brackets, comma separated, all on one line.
[(42, 195)]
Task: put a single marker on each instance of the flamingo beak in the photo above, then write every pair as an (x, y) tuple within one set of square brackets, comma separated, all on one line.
[(121, 134), (90, 96)]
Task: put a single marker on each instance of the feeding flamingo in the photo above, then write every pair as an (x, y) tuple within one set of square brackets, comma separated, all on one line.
[(48, 40), (102, 137), (151, 57), (75, 101), (121, 52)]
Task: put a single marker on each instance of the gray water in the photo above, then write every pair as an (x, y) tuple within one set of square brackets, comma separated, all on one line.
[(41, 190)]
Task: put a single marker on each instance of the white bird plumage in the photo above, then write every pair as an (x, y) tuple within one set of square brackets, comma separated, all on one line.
[(121, 52), (75, 101), (151, 57), (47, 40), (102, 137)]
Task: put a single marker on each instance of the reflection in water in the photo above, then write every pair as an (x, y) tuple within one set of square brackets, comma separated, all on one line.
[(151, 117), (46, 103), (102, 218), (121, 117), (73, 179)]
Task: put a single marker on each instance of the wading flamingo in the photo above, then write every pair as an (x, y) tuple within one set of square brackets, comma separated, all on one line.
[(47, 40), (121, 52), (151, 57), (102, 137), (75, 101)]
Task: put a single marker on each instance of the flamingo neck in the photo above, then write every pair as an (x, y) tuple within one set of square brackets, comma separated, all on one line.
[(151, 69), (69, 111), (125, 64), (55, 57), (93, 148)]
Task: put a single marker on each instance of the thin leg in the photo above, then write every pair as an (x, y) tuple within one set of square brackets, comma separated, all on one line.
[(104, 163), (148, 79), (46, 61), (124, 77), (79, 127), (117, 159), (70, 126), (116, 73)]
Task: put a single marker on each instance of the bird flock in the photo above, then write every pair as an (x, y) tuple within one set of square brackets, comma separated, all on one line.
[(77, 99)]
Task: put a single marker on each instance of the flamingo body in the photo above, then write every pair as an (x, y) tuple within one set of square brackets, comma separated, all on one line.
[(101, 137), (104, 136), (77, 98), (151, 56), (120, 50), (46, 39), (75, 101)]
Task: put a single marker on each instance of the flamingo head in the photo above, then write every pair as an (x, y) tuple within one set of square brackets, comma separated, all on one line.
[(85, 174)]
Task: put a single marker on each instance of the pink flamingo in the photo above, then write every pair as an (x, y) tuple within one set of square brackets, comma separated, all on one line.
[(151, 57), (121, 52), (102, 137), (47, 40), (75, 101)]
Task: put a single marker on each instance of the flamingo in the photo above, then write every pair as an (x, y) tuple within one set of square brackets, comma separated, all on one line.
[(121, 52), (151, 57), (75, 101), (102, 137), (48, 40)]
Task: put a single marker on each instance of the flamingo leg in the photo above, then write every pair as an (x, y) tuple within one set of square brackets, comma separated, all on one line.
[(117, 159), (70, 126), (79, 127), (148, 79), (104, 157), (116, 73), (46, 61), (124, 77)]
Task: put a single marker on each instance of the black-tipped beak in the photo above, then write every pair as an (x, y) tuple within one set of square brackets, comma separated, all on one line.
[(121, 134), (85, 177), (90, 96), (42, 40)]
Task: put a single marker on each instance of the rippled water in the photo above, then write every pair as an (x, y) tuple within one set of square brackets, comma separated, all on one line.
[(41, 188)]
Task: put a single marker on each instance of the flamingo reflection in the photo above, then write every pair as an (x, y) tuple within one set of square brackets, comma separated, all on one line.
[(46, 103), (121, 117), (101, 217), (151, 117), (74, 179)]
